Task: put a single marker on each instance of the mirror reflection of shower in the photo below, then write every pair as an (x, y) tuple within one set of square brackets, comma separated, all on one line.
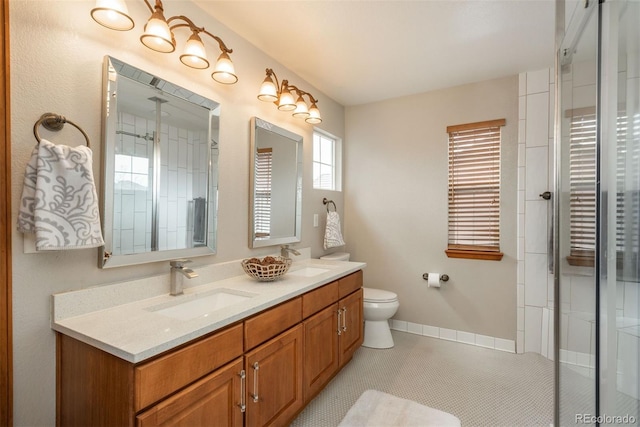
[(160, 183)]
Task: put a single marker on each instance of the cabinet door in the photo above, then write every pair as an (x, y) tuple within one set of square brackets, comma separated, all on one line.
[(320, 350), (274, 380), (352, 326), (214, 400)]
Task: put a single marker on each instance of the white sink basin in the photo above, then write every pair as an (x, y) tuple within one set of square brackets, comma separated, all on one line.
[(308, 271), (189, 307)]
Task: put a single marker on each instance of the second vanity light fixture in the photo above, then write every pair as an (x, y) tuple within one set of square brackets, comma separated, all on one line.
[(281, 95), (158, 36)]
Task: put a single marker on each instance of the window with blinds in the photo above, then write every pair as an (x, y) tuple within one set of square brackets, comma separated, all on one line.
[(582, 186), (262, 197), (474, 190), (582, 178)]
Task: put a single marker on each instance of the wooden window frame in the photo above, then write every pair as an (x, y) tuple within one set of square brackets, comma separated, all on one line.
[(455, 248)]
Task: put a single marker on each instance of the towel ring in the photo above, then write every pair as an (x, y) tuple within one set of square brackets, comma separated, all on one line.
[(327, 202), (55, 122)]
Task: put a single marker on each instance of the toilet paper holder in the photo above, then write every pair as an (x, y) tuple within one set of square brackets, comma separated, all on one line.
[(444, 277)]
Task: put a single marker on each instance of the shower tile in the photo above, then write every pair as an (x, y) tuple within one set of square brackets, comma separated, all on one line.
[(579, 335), (533, 329), (522, 107), (520, 342), (522, 84), (537, 164), (535, 280), (536, 227), (631, 299), (520, 317), (538, 81), (537, 120), (583, 297)]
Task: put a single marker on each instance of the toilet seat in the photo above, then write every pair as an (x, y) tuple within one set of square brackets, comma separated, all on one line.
[(379, 295)]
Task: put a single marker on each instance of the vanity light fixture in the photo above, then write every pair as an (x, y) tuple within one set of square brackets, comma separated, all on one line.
[(282, 96), (158, 36)]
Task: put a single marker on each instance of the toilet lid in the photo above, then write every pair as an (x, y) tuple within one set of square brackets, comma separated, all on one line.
[(379, 295)]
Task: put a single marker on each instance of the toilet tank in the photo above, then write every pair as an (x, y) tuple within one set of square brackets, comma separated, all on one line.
[(337, 256)]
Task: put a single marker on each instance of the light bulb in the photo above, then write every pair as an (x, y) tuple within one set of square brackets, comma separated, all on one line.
[(268, 90), (286, 102), (157, 34), (224, 72), (302, 111), (314, 115), (194, 55), (112, 14)]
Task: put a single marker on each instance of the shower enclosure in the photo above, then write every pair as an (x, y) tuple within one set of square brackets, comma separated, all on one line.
[(597, 209)]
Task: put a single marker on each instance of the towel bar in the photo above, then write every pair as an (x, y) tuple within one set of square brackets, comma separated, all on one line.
[(55, 122), (327, 202)]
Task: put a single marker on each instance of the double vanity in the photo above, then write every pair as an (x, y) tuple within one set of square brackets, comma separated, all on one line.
[(229, 351)]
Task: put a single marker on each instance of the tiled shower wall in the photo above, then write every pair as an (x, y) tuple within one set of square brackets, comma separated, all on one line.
[(184, 167), (535, 176), (535, 305)]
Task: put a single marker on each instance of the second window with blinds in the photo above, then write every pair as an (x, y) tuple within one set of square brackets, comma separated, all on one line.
[(474, 190)]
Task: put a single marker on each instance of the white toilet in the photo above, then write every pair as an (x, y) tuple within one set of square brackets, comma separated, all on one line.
[(379, 307)]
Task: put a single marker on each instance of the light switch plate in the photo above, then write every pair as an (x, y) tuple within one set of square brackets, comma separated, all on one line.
[(315, 220)]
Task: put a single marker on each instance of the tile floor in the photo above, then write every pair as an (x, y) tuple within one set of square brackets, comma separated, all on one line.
[(482, 387)]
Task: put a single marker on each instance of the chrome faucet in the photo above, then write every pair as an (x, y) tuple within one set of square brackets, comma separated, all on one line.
[(178, 273), (285, 250)]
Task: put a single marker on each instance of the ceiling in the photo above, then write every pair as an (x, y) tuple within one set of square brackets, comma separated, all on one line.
[(362, 51)]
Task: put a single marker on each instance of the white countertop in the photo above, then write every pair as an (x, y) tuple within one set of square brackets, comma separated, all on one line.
[(131, 330)]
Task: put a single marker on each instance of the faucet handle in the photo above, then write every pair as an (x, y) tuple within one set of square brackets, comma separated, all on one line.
[(179, 263)]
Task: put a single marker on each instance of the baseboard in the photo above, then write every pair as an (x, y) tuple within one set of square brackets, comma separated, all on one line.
[(478, 340)]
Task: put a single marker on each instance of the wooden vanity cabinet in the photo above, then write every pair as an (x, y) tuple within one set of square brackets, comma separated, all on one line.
[(260, 371), (333, 330), (214, 399), (274, 380)]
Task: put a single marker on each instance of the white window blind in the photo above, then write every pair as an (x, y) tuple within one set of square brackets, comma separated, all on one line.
[(474, 189), (262, 199), (582, 186), (582, 177)]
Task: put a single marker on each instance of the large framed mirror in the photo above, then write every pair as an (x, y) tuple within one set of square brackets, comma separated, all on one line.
[(160, 169), (276, 185)]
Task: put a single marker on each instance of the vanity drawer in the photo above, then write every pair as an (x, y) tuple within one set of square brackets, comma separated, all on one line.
[(316, 300), (165, 375), (350, 283), (271, 322)]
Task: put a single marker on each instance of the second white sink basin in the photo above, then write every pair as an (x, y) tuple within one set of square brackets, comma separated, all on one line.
[(308, 271), (189, 307)]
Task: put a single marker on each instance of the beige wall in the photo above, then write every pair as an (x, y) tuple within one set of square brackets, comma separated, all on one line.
[(57, 54), (396, 206)]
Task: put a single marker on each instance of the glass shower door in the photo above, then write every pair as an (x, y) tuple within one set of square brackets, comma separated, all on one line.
[(576, 199), (598, 190)]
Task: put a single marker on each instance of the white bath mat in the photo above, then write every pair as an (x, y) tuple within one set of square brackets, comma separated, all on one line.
[(377, 409)]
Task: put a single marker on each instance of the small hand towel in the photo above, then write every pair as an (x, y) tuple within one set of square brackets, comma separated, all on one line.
[(59, 198), (332, 234)]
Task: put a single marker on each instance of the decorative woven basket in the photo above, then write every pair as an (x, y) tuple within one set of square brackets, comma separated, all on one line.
[(266, 269)]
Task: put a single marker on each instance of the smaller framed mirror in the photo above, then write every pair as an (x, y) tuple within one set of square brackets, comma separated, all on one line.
[(276, 185)]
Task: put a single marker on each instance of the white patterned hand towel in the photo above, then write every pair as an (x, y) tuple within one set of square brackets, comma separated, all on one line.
[(59, 199), (332, 234)]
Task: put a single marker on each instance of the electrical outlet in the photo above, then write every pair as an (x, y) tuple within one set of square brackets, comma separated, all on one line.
[(315, 220)]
